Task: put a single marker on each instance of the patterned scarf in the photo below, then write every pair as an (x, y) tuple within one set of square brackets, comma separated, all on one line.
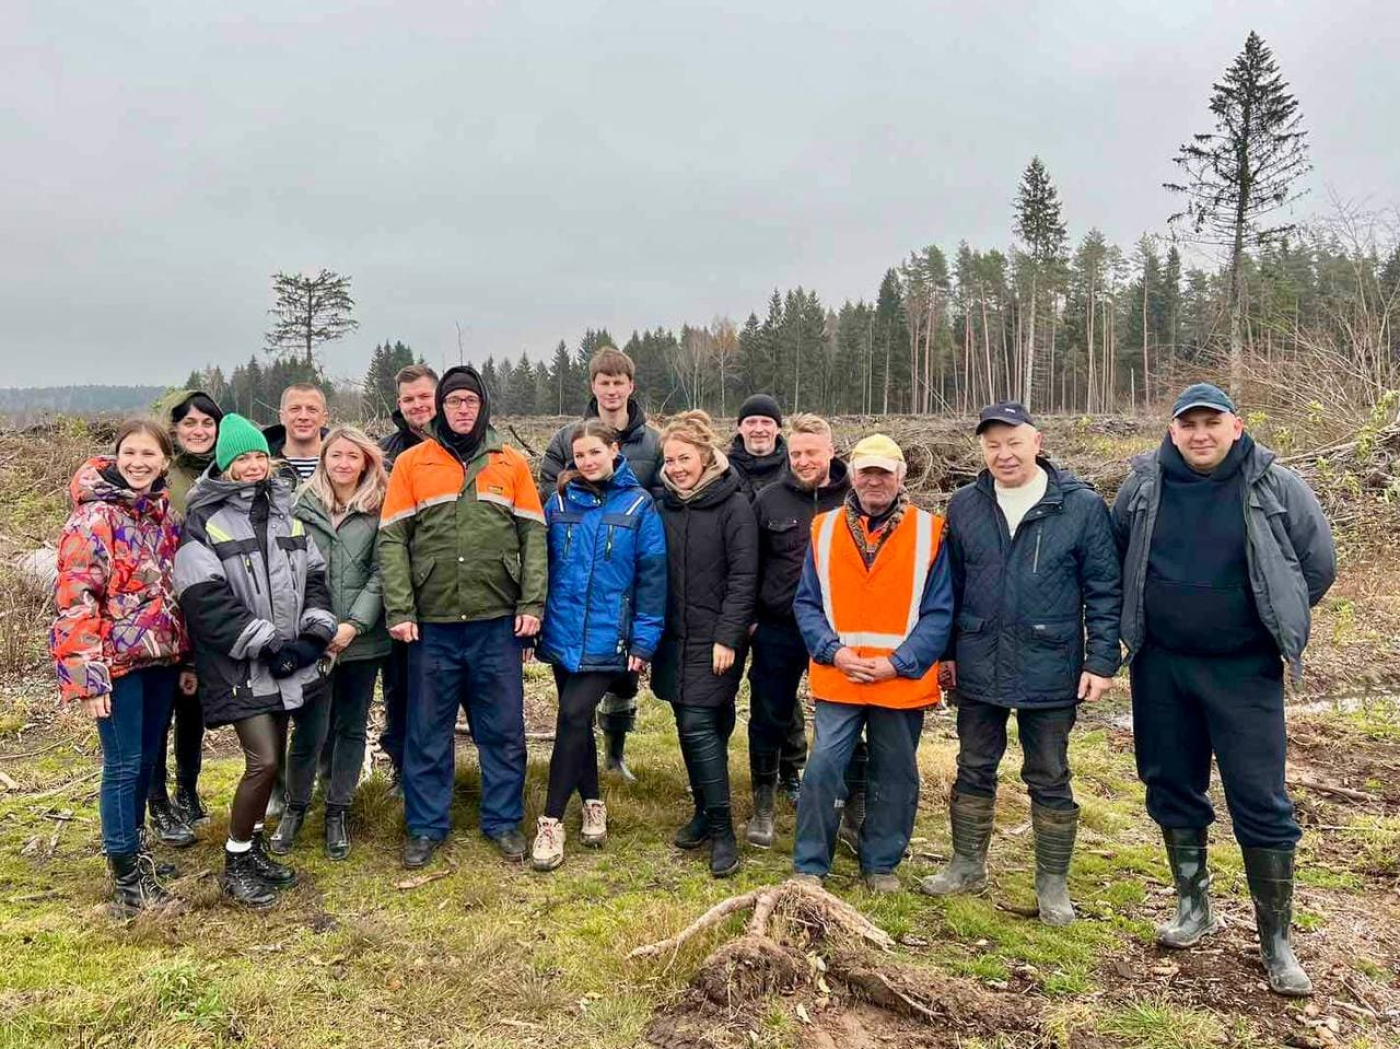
[(888, 523)]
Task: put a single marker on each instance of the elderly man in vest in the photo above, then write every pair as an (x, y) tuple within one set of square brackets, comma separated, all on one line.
[(875, 607)]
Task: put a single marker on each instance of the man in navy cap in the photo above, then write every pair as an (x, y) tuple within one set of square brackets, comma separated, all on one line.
[(1225, 552), (1037, 586)]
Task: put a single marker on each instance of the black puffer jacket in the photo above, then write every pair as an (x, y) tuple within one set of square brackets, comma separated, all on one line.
[(1024, 604), (712, 572), (785, 510), (401, 440), (638, 442), (756, 472)]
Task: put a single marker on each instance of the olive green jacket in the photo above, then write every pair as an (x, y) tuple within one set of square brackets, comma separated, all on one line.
[(352, 572)]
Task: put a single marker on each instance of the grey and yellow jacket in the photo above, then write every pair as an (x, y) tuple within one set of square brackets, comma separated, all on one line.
[(352, 572), (249, 579)]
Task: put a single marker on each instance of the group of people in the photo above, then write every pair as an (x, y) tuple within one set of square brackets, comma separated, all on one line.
[(217, 574)]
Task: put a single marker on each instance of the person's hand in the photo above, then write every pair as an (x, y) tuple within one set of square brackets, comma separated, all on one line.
[(527, 626), (1092, 686), (948, 674), (97, 707), (280, 660), (405, 632), (723, 658), (188, 682), (636, 664), (876, 670), (344, 634), (847, 662)]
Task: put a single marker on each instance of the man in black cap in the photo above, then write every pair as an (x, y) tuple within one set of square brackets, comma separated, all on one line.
[(1034, 569), (1225, 552)]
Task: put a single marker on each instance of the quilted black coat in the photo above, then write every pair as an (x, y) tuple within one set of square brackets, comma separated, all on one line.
[(1035, 611)]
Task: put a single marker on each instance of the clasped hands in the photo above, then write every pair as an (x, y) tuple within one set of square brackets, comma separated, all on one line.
[(863, 671)]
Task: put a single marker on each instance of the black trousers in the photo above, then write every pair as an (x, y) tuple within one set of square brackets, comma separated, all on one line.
[(573, 765), (188, 716), (263, 738), (1187, 707), (704, 735), (328, 733), (395, 686), (1044, 747)]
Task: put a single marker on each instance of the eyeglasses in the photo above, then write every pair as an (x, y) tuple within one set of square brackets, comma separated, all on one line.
[(457, 404)]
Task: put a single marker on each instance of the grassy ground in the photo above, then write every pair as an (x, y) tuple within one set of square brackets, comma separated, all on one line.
[(488, 954)]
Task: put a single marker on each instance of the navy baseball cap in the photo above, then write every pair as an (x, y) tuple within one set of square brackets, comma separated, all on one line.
[(1011, 413), (1203, 395)]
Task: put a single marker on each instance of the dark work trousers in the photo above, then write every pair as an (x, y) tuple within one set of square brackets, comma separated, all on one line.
[(704, 735), (1044, 736), (477, 663), (396, 685), (330, 730), (573, 765), (892, 790), (263, 738), (188, 716), (130, 734), (1185, 708), (794, 755)]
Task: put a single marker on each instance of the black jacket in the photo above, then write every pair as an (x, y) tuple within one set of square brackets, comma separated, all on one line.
[(401, 440), (785, 510), (712, 571), (1024, 604), (638, 442), (756, 472)]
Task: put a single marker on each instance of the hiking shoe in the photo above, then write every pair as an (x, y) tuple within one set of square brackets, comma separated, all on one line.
[(188, 805), (595, 823), (277, 875), (548, 850), (242, 883), (169, 826)]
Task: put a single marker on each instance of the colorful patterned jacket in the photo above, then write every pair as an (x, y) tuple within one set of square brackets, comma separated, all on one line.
[(115, 593)]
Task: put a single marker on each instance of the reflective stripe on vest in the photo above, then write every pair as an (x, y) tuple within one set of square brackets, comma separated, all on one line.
[(923, 558)]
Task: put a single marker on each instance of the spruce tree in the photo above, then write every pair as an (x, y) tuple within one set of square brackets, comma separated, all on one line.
[(1041, 228)]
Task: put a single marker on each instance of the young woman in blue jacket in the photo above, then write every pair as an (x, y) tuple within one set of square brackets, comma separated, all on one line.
[(604, 613)]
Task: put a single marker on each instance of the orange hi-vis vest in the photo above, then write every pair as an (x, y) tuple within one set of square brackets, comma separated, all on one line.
[(873, 610)]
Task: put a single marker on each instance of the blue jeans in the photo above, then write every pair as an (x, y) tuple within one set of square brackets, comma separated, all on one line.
[(131, 736), (1044, 750), (476, 664), (892, 790)]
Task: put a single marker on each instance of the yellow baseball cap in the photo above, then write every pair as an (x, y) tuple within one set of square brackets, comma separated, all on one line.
[(878, 451)]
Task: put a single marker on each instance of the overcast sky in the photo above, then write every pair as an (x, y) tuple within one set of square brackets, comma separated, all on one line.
[(532, 169)]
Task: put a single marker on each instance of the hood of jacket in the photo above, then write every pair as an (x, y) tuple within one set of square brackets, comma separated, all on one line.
[(839, 478), (211, 490), (481, 429), (1257, 462), (97, 481), (757, 465), (636, 417)]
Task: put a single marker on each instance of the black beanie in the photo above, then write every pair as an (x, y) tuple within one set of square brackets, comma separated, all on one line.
[(761, 404), (458, 379)]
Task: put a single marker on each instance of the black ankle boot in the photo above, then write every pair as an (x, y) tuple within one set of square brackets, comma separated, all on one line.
[(169, 826), (337, 834), (188, 805), (277, 875), (724, 850), (695, 833), (242, 882), (162, 870), (285, 836), (134, 885), (1270, 876)]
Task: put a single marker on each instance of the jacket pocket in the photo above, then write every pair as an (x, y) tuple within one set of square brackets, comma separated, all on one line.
[(512, 563), (975, 651), (1052, 653), (422, 569)]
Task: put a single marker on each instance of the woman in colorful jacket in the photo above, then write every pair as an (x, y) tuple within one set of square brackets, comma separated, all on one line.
[(607, 598), (712, 585), (119, 636), (194, 427), (253, 588), (339, 507)]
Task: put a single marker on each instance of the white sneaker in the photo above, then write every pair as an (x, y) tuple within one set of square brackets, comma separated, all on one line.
[(595, 823), (548, 852)]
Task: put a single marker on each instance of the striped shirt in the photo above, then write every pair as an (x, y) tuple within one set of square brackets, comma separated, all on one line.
[(304, 467)]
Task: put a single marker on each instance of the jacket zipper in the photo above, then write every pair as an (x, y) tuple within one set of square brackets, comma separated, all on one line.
[(1035, 565), (248, 564)]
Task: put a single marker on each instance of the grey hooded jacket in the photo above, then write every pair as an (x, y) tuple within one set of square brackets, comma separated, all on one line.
[(1292, 560), (248, 576)]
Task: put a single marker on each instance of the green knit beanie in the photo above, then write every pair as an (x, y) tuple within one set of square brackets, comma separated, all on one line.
[(237, 436)]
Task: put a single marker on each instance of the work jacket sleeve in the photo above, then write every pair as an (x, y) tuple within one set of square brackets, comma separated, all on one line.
[(396, 524), (215, 615), (649, 590), (534, 543), (741, 579), (1101, 583), (957, 570), (1311, 535), (929, 638), (817, 632), (368, 605), (75, 640)]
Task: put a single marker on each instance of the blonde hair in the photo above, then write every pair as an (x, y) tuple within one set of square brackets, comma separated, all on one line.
[(695, 428), (369, 493), (806, 422)]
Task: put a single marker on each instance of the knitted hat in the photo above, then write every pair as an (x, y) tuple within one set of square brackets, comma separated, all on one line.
[(879, 451), (237, 436), (760, 404)]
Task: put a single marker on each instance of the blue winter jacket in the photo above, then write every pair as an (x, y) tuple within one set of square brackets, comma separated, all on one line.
[(607, 575)]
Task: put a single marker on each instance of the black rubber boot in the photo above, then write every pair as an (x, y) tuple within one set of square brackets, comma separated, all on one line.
[(337, 834), (277, 875), (760, 829), (134, 885), (1270, 876), (1186, 855), (1055, 831), (285, 836), (169, 826), (852, 819), (615, 744), (724, 850), (695, 833), (242, 882), (276, 802), (188, 805), (972, 817)]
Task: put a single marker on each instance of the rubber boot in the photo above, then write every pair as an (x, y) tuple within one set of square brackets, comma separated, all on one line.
[(724, 850), (1055, 831), (1186, 855), (852, 819), (285, 836), (277, 875), (337, 834), (760, 829), (972, 817), (169, 825), (134, 885), (242, 883), (695, 833), (1270, 876), (614, 745)]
